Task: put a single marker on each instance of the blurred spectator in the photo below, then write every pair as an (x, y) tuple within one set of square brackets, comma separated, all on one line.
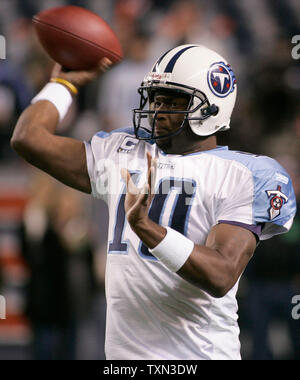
[(1, 275), (57, 249), (275, 103), (127, 16), (179, 25), (15, 95), (118, 92)]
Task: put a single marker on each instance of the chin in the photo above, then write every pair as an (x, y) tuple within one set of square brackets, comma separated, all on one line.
[(163, 143)]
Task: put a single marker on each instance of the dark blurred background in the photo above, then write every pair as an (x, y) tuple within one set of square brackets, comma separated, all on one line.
[(53, 239)]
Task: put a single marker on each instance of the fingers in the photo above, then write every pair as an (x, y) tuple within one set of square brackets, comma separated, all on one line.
[(104, 64), (149, 160), (124, 174), (143, 198), (151, 173), (130, 186), (146, 193), (56, 70), (81, 77)]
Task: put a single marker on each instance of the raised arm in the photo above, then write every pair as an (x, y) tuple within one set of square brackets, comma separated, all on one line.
[(34, 136)]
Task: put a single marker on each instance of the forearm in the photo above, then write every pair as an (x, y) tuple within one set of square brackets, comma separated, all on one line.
[(203, 266), (149, 232), (211, 267), (207, 269)]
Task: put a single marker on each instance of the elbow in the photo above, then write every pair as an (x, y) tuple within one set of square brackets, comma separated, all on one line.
[(218, 291), (20, 142), (15, 143), (216, 282), (222, 286), (217, 288), (18, 145), (224, 280)]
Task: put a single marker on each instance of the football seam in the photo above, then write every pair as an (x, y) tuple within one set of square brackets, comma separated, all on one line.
[(75, 36)]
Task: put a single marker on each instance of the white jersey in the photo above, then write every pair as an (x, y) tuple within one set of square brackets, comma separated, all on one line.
[(153, 313)]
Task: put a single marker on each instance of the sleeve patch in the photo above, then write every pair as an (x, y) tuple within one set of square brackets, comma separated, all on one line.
[(277, 200)]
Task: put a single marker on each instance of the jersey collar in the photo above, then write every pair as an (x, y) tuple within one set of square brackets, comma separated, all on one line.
[(218, 148)]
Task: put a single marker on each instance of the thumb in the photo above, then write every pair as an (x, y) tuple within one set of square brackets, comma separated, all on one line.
[(56, 70)]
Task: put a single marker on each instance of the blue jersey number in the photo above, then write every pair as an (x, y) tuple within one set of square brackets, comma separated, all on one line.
[(180, 192), (118, 244)]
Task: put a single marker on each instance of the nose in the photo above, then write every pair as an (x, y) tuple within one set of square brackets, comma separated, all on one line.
[(160, 114), (160, 111)]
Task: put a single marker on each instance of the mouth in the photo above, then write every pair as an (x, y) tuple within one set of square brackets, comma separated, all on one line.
[(159, 131), (160, 127)]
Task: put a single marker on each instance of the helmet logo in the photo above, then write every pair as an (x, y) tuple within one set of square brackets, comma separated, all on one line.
[(221, 79)]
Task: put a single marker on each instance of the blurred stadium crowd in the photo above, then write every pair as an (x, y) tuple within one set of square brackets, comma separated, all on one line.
[(53, 239)]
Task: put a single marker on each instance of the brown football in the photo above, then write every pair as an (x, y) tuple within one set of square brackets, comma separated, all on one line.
[(76, 37)]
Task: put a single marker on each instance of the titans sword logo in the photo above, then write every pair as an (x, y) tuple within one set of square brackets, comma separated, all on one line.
[(278, 199)]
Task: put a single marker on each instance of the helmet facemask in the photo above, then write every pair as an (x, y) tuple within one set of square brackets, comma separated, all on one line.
[(144, 120)]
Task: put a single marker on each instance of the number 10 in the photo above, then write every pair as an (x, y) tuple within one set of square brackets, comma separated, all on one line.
[(184, 189)]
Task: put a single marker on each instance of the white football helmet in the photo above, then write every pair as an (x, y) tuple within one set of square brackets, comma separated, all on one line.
[(191, 70)]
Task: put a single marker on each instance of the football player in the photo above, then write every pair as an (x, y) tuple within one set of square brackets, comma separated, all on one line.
[(185, 214)]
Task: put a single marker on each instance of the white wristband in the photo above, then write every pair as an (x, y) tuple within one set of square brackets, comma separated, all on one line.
[(57, 94), (173, 250)]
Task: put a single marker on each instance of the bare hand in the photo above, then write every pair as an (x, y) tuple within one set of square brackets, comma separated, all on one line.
[(138, 200), (81, 77)]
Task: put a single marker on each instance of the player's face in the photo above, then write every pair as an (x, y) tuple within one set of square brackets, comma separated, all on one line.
[(168, 123)]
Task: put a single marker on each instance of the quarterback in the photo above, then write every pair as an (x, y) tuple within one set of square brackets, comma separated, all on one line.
[(185, 214)]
